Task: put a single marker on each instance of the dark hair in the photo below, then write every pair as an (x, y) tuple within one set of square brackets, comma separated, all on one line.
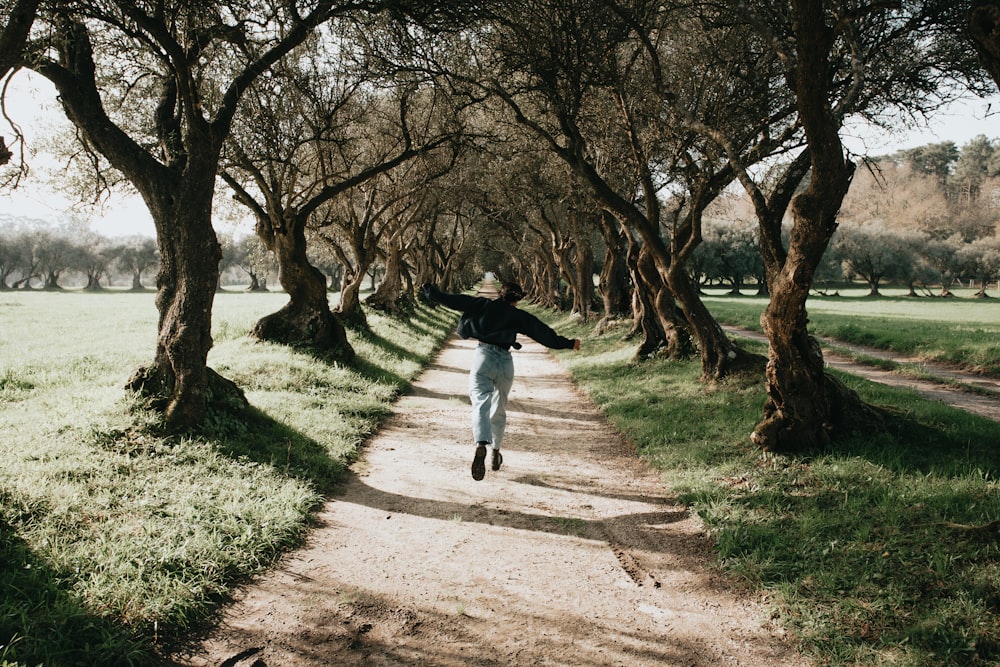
[(511, 292)]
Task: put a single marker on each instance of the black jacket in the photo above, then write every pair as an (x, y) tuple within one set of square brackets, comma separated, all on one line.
[(495, 321)]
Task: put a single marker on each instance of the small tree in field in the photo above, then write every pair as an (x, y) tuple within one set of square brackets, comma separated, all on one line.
[(981, 262), (872, 253), (136, 255), (944, 256)]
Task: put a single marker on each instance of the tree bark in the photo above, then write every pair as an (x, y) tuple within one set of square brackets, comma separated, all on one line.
[(665, 331), (805, 408), (614, 281), (306, 319), (179, 381), (349, 308), (719, 356), (387, 297), (177, 182), (20, 17), (984, 29), (583, 266)]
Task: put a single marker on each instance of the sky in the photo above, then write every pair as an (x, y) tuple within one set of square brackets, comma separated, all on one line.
[(31, 102)]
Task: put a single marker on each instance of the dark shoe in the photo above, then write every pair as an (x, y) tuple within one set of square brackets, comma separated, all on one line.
[(479, 463), (497, 459)]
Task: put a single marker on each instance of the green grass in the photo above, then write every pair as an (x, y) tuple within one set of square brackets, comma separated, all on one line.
[(113, 540), (962, 330), (859, 549)]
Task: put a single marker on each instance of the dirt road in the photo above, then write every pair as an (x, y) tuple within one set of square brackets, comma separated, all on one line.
[(573, 553)]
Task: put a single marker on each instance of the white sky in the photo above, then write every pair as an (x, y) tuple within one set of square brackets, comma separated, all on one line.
[(31, 103)]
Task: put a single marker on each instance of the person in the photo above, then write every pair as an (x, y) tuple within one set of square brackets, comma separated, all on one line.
[(495, 323)]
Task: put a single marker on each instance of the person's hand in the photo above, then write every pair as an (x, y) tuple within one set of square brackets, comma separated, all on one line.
[(576, 344)]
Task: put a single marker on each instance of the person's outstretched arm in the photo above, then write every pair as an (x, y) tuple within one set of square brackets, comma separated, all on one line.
[(460, 302), (540, 332)]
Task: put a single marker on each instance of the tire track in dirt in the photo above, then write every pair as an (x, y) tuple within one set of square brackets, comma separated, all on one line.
[(574, 553)]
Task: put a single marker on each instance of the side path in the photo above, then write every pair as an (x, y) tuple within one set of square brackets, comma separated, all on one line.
[(572, 554), (985, 403)]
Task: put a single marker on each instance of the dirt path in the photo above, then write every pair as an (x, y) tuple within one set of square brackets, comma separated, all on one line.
[(572, 554), (985, 403)]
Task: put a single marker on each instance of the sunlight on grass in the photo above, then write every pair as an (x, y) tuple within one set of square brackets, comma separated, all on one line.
[(109, 535), (964, 331), (876, 552)]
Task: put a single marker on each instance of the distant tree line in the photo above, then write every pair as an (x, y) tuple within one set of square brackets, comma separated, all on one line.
[(925, 219), (35, 254)]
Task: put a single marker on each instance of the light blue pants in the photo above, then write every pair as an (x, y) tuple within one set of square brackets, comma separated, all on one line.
[(490, 380)]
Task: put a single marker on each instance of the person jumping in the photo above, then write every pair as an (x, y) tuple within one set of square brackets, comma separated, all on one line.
[(495, 323)]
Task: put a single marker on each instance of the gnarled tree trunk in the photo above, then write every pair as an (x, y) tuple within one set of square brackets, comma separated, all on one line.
[(179, 380), (719, 356), (662, 323), (387, 297), (306, 319), (613, 282), (805, 407)]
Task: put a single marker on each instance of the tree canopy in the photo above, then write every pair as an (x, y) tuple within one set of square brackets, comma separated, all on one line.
[(547, 141)]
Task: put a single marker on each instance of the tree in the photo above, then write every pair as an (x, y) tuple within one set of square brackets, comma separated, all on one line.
[(735, 250), (135, 256), (614, 283), (255, 260), (983, 24), (94, 255), (872, 252), (183, 69), (328, 130), (14, 251), (981, 261), (971, 169), (837, 60), (945, 257), (935, 160), (16, 20), (414, 198), (54, 253), (588, 82)]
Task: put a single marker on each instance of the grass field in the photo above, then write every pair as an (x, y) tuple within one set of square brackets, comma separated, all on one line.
[(883, 550), (961, 330), (112, 540)]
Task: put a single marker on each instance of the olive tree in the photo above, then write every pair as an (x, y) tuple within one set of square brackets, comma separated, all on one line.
[(873, 253), (135, 255), (838, 60), (315, 129)]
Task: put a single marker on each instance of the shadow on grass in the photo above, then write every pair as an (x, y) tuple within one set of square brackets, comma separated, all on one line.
[(41, 623), (878, 522), (262, 439), (925, 437)]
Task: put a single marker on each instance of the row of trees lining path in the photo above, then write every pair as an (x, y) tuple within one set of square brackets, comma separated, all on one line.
[(625, 120)]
